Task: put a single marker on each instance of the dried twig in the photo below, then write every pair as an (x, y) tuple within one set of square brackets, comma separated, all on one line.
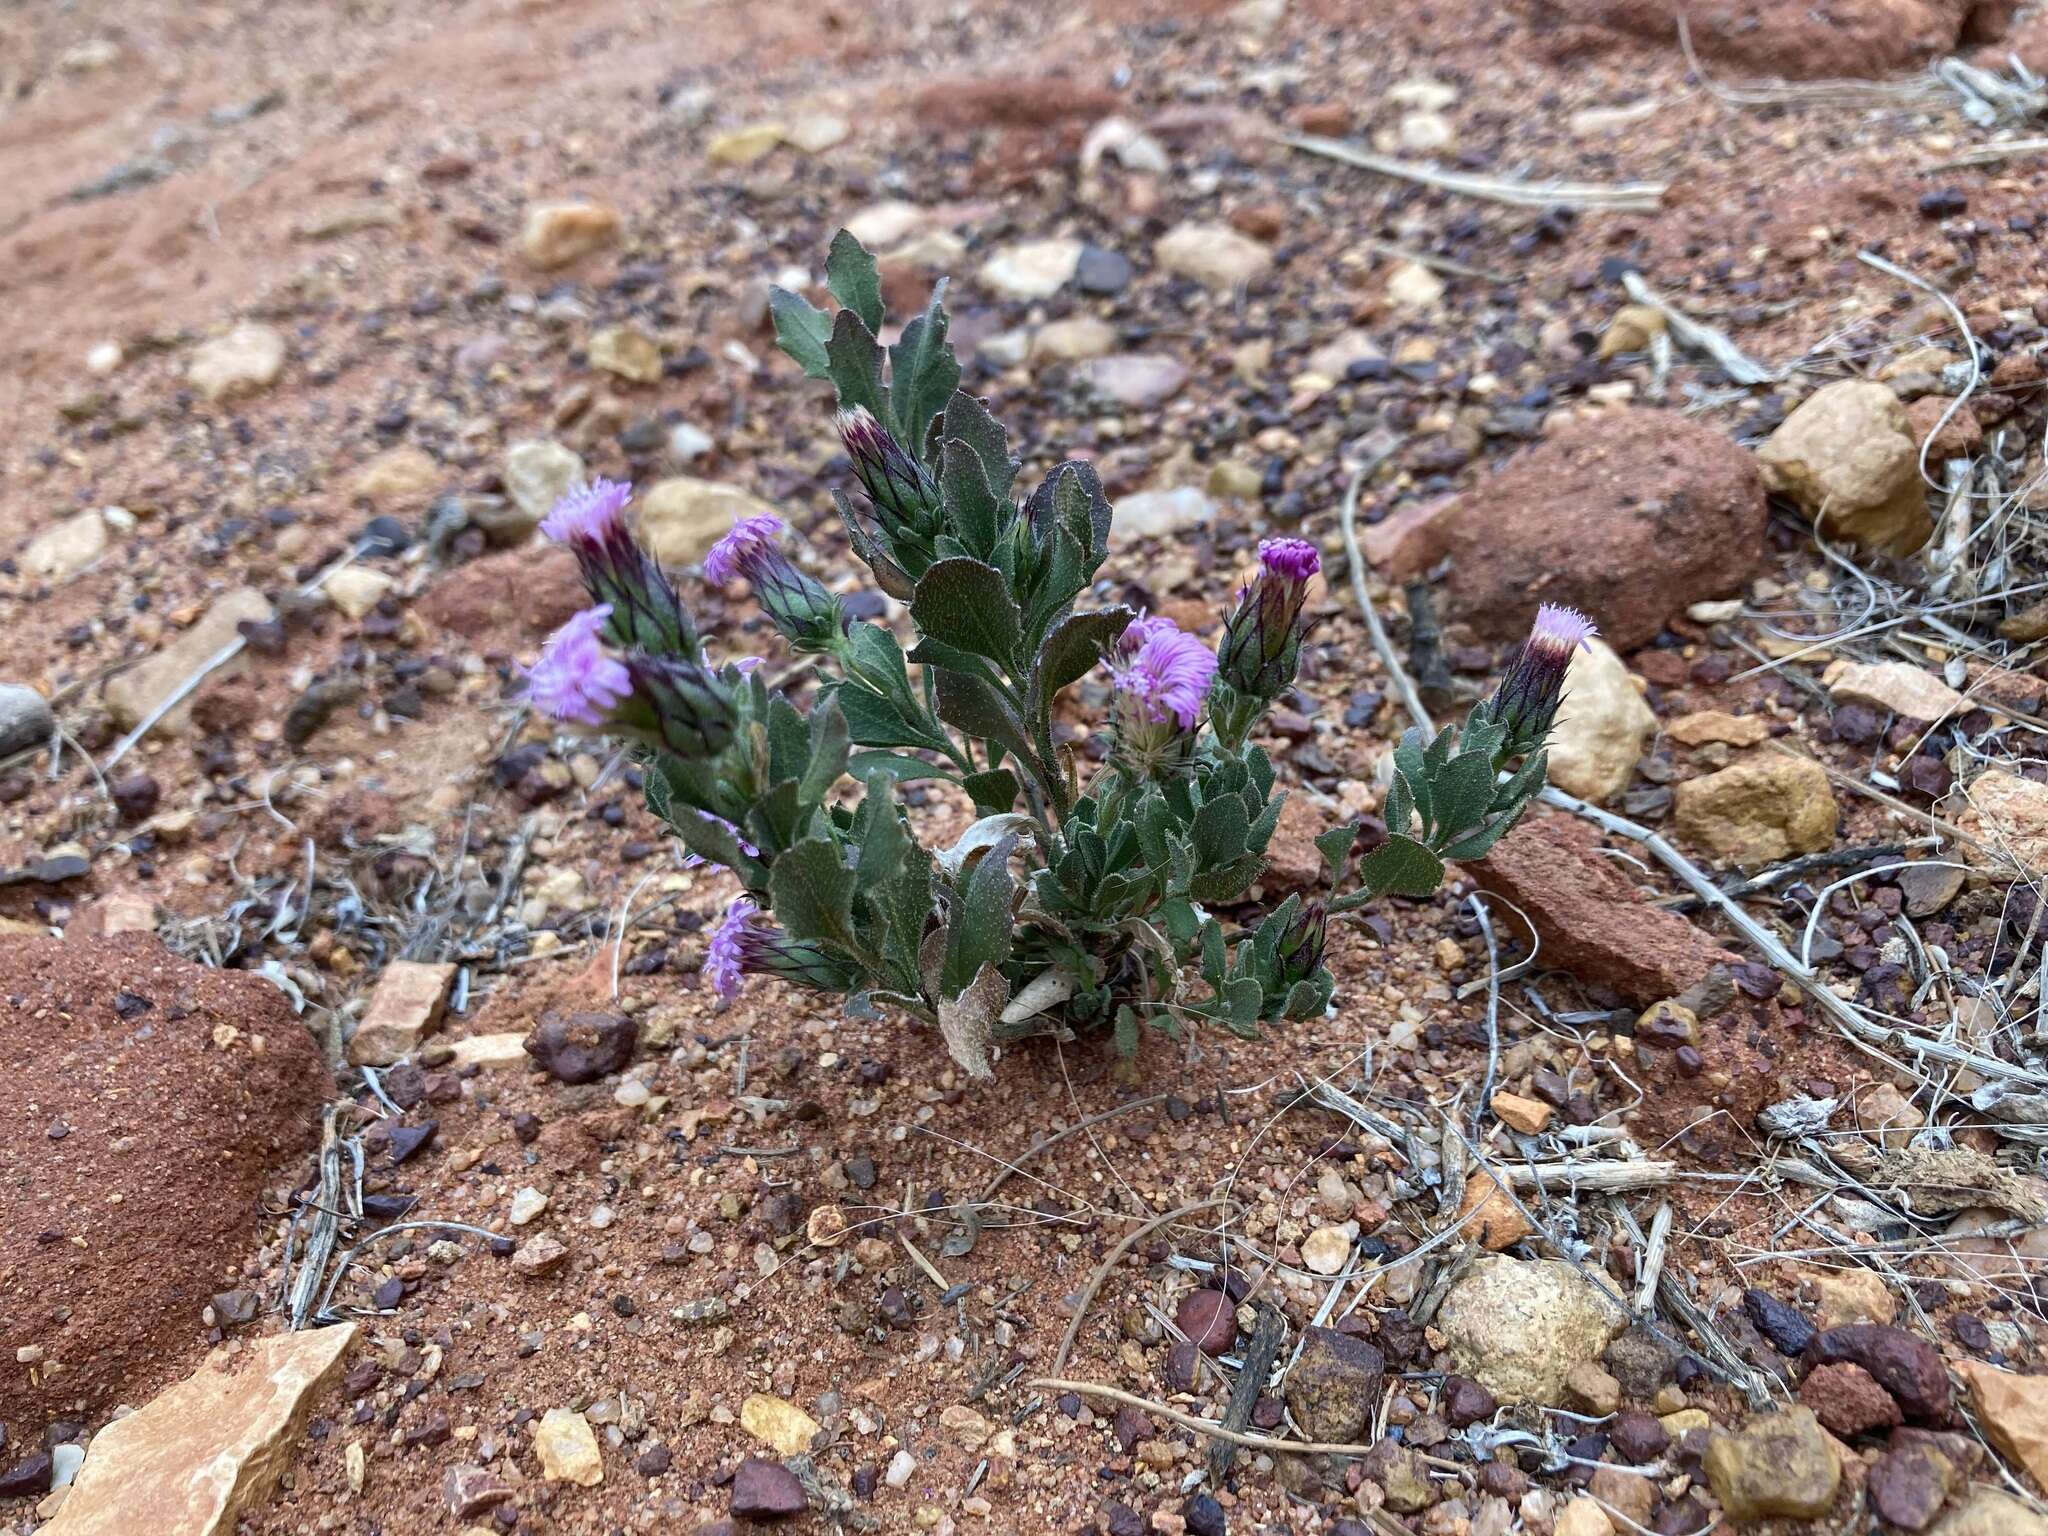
[(1691, 334), (1623, 197), (1257, 1364), (1130, 1241)]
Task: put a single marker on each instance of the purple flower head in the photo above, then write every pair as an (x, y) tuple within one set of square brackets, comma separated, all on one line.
[(576, 679), (725, 954), (1165, 674), (753, 538), (646, 612), (591, 515), (747, 944), (1292, 560), (1530, 690), (1262, 637), (807, 615)]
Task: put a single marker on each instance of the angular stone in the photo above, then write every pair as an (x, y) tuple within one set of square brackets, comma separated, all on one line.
[(1517, 1327), (766, 1490), (1140, 380), (1896, 686), (62, 550), (1035, 269), (1990, 1512), (1592, 920), (1326, 1250), (1333, 1387), (1488, 1217), (744, 146), (1529, 1116), (1161, 514), (247, 359), (582, 1047), (539, 1256), (404, 1009), (504, 1049), (1072, 340), (398, 475), (682, 517), (356, 590), (1601, 726), (2008, 816), (1676, 510), (558, 233), (1758, 811), (1846, 1400), (1214, 255), (567, 1448), (1848, 458), (1776, 1464), (2013, 1411), (1711, 726), (134, 694), (1909, 1483), (626, 352), (1904, 1364), (473, 1490), (779, 1423), (538, 472), (197, 1457)]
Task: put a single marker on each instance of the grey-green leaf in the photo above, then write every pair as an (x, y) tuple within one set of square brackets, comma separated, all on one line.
[(964, 603), (801, 330), (851, 275), (811, 891)]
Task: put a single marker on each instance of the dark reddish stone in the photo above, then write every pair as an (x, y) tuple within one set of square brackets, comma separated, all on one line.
[(1909, 1483), (1466, 1402), (1209, 1320), (766, 1490), (1847, 1401), (1907, 1367), (1637, 1437), (582, 1047), (1675, 508)]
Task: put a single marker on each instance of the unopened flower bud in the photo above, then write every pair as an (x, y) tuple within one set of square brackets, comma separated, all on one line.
[(1262, 637), (903, 492), (1526, 702), (677, 705), (1302, 945), (807, 615)]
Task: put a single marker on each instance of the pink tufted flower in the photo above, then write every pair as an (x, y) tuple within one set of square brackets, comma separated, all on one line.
[(753, 539), (1164, 672), (589, 514), (576, 679)]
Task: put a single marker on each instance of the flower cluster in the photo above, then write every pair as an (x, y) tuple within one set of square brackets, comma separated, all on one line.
[(807, 615)]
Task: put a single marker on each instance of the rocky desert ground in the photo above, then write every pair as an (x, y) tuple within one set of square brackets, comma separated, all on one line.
[(374, 1157)]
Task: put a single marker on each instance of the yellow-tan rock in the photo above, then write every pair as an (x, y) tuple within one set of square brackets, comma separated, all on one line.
[(1758, 811), (1601, 726), (1847, 456), (682, 517), (199, 1455)]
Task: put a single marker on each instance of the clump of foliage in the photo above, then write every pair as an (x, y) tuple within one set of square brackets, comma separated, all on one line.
[(1084, 894)]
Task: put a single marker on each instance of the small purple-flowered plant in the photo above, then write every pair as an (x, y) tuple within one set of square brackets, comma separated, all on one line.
[(589, 514), (1164, 671), (724, 954), (1533, 685), (741, 551), (576, 679)]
